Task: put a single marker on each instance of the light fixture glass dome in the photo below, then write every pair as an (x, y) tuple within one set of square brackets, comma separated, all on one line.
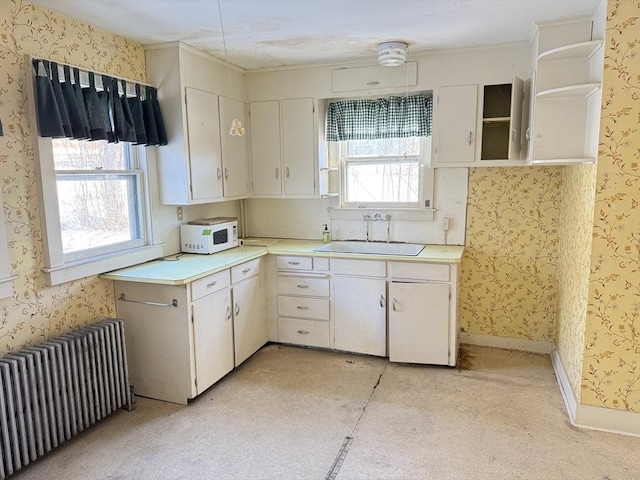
[(392, 54)]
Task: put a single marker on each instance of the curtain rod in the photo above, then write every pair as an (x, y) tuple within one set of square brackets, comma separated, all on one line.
[(85, 70)]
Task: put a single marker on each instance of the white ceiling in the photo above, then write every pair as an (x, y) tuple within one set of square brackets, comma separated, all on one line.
[(273, 33)]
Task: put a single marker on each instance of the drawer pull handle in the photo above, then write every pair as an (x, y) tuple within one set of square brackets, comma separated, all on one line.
[(209, 285), (303, 332), (293, 263), (381, 301), (302, 307), (277, 175), (219, 173), (237, 309), (302, 286), (174, 302), (393, 304), (226, 173), (228, 312), (246, 270)]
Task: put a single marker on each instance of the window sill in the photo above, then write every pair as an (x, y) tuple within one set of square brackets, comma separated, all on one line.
[(397, 214), (104, 263)]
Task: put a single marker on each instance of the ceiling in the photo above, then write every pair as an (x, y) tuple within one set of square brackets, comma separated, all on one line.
[(274, 33)]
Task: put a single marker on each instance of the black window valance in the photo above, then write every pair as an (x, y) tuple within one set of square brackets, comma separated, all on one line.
[(392, 117), (65, 108)]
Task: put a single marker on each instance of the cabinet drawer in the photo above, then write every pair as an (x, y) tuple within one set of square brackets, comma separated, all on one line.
[(299, 285), (209, 284), (294, 263), (303, 307), (420, 271), (367, 268), (245, 270), (304, 332)]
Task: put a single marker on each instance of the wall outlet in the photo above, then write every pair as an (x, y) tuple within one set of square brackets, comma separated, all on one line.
[(179, 214), (445, 224)]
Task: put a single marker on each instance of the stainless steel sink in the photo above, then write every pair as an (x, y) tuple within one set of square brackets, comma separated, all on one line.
[(372, 248)]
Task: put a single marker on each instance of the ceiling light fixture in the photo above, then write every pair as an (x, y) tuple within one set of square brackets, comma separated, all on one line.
[(392, 54)]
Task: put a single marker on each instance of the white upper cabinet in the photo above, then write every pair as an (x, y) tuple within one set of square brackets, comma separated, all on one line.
[(199, 98), (455, 116), (566, 94), (203, 140), (235, 158), (284, 148)]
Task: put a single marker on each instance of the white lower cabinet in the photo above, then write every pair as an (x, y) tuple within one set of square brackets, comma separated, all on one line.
[(181, 339), (304, 306), (360, 321), (419, 322), (249, 321), (212, 339)]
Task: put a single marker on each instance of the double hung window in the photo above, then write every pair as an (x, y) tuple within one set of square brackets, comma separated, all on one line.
[(383, 147)]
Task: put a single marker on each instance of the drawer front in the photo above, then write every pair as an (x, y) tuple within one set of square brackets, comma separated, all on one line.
[(294, 263), (308, 286), (420, 271), (304, 332), (209, 284), (303, 307), (367, 268), (320, 264), (245, 270)]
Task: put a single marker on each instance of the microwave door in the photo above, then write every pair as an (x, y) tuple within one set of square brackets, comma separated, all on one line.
[(220, 236)]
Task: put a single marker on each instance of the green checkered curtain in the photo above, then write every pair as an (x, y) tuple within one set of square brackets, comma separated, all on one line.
[(392, 117)]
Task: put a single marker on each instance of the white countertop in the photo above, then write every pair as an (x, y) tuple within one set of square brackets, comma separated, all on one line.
[(183, 268)]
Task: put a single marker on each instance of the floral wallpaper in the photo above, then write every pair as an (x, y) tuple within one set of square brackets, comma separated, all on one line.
[(508, 278), (36, 312), (574, 259), (611, 366)]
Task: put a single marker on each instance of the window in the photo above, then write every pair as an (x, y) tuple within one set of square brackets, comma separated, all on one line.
[(381, 149), (382, 172), (99, 197), (94, 200)]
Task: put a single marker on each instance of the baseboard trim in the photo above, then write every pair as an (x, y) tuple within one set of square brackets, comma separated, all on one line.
[(590, 416), (524, 345)]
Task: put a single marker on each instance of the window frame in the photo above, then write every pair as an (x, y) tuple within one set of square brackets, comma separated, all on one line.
[(60, 268), (344, 161)]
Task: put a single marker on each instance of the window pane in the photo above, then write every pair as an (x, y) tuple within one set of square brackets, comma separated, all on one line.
[(97, 210), (385, 147), (384, 182), (82, 155)]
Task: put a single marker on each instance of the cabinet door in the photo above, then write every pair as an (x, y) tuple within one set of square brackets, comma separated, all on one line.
[(235, 161), (213, 339), (455, 125), (265, 148), (298, 147), (360, 315), (517, 99), (249, 320), (203, 125), (419, 322)]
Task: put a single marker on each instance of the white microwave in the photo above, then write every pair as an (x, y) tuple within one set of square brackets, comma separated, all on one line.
[(210, 235)]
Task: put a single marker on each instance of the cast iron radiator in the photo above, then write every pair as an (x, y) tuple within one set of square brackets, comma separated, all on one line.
[(51, 391)]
